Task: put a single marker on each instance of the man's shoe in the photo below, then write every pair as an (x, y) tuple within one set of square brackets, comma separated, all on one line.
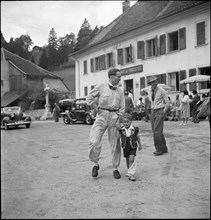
[(165, 151), (95, 171), (158, 153), (116, 174)]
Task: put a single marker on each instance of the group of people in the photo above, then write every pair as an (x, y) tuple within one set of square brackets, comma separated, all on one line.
[(114, 116)]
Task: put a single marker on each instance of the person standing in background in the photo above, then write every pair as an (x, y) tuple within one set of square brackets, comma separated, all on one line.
[(147, 107), (185, 108), (130, 94), (56, 112), (159, 106), (128, 103), (196, 99)]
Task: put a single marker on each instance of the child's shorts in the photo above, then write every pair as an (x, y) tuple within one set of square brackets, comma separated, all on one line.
[(128, 150)]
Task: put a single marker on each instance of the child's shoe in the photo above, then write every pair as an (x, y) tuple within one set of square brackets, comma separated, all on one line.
[(132, 178)]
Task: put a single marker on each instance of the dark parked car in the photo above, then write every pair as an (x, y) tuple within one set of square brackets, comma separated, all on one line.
[(14, 117), (66, 104), (78, 111)]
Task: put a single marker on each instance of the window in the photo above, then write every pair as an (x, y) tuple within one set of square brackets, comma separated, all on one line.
[(173, 41), (85, 67), (151, 47), (128, 54), (2, 83), (173, 81), (161, 78), (85, 91), (92, 65), (109, 60), (177, 40), (204, 71), (140, 50), (200, 33)]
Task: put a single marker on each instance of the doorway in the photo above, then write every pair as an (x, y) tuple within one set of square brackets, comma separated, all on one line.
[(128, 85)]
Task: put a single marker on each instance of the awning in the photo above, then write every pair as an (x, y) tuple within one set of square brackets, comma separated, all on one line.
[(10, 97)]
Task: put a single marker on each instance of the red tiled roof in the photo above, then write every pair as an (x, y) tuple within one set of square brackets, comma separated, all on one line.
[(26, 66)]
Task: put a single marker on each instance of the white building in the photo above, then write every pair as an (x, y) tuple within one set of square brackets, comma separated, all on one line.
[(169, 39)]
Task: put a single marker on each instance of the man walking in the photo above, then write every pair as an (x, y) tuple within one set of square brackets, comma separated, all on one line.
[(111, 105), (159, 105)]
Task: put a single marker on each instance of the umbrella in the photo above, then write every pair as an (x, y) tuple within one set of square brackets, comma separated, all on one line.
[(195, 79)]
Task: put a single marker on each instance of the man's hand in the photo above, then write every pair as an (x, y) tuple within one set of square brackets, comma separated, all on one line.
[(139, 147)]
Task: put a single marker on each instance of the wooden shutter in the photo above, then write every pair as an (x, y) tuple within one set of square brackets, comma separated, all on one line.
[(142, 83), (131, 54), (92, 65), (182, 38), (156, 46), (140, 50), (182, 75), (120, 56), (162, 44), (200, 33), (192, 72)]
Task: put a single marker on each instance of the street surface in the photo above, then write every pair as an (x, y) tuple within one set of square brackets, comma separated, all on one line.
[(46, 174)]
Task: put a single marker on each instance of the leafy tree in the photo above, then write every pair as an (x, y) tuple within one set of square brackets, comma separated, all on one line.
[(43, 62), (84, 35), (66, 46), (20, 46), (3, 41)]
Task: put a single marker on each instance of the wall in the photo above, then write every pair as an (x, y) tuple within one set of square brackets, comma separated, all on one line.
[(5, 77)]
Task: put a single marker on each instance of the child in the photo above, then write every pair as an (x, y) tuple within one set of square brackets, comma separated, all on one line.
[(130, 141)]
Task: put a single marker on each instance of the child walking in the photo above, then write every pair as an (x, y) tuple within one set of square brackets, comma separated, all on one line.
[(130, 142)]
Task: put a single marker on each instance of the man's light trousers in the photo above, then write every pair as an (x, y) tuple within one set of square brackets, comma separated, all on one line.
[(105, 120)]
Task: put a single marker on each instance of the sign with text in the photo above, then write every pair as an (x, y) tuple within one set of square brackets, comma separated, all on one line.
[(131, 70)]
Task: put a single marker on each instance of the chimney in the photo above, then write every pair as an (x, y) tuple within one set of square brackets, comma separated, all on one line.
[(125, 5)]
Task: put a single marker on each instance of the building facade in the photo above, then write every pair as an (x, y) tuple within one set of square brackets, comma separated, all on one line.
[(169, 39)]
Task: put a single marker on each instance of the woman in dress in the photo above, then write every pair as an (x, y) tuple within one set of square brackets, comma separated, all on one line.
[(185, 108)]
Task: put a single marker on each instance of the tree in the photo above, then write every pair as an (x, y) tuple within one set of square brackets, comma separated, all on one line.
[(43, 62), (52, 48), (20, 46), (3, 41), (66, 46), (84, 35)]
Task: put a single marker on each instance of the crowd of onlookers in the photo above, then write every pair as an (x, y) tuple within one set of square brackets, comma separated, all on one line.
[(183, 108)]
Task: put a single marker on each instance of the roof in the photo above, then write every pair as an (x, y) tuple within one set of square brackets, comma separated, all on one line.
[(25, 66), (10, 97), (139, 15)]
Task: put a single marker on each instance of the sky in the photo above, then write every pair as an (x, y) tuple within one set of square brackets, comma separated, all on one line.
[(37, 18)]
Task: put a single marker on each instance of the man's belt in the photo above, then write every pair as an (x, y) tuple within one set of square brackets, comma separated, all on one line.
[(110, 110)]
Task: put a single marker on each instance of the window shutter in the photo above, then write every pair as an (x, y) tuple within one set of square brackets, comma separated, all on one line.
[(162, 44), (120, 56), (113, 60), (140, 50), (92, 65), (182, 75), (200, 33), (131, 53), (182, 38), (192, 72), (156, 46), (142, 83)]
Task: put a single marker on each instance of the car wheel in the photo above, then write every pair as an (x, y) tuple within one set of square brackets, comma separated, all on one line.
[(28, 125), (88, 120), (66, 120)]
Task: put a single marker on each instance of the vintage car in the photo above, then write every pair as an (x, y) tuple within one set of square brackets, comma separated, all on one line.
[(79, 111), (14, 117)]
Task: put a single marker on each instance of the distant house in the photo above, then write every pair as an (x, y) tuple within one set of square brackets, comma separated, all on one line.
[(36, 54), (19, 74)]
